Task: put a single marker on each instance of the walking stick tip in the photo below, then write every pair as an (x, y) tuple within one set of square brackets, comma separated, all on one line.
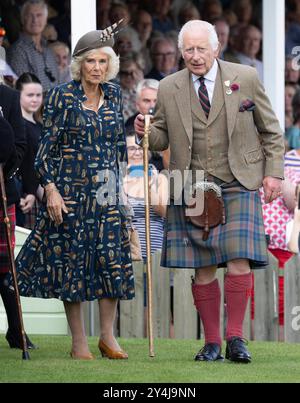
[(25, 356), (3, 206)]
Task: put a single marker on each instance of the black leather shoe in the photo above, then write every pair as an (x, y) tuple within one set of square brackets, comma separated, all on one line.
[(236, 350), (210, 352), (15, 342)]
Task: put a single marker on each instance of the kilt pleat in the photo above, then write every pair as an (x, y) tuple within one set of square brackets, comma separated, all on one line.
[(241, 237), (4, 257)]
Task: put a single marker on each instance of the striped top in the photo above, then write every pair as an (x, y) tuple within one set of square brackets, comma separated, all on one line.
[(156, 225), (292, 160), (24, 57)]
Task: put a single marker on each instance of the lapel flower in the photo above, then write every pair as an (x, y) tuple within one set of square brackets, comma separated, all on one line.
[(234, 87), (228, 89)]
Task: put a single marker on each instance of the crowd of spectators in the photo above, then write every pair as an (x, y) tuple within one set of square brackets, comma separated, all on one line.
[(36, 36)]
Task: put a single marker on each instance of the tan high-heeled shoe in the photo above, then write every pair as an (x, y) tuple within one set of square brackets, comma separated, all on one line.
[(86, 357), (111, 354)]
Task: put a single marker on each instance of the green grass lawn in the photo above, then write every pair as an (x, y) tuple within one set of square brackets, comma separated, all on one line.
[(272, 362)]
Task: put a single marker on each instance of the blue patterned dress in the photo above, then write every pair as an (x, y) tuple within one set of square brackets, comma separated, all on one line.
[(87, 257)]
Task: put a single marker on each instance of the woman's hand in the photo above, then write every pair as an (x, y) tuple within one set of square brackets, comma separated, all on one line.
[(26, 203), (55, 204)]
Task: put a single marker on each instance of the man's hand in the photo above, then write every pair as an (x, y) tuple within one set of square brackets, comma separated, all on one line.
[(139, 125), (272, 188)]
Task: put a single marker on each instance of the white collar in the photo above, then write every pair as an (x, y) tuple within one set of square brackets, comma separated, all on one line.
[(211, 75)]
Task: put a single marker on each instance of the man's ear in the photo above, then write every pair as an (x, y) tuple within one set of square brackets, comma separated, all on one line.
[(218, 50)]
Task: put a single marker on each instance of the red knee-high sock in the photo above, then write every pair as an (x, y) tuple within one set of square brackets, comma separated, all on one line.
[(237, 293), (207, 299)]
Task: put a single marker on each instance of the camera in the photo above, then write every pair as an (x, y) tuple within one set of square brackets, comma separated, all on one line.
[(49, 74)]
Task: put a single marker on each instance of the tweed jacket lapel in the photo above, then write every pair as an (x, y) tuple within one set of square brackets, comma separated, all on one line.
[(232, 101), (217, 101), (183, 100)]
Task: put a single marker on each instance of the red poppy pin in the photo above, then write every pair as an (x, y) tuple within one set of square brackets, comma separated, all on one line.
[(235, 87)]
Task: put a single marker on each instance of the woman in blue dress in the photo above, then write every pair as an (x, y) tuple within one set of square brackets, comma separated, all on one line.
[(79, 249)]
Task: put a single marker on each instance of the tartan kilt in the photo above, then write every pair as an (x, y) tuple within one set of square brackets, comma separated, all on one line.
[(242, 237), (4, 257)]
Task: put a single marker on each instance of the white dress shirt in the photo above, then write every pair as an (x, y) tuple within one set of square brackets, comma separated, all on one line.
[(209, 80)]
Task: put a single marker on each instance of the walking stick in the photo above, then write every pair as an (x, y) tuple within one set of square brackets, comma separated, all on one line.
[(25, 354), (148, 240)]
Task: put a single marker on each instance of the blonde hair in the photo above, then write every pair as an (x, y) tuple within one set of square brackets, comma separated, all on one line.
[(113, 64)]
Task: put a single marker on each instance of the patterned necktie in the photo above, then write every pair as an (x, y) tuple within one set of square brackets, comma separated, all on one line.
[(203, 97)]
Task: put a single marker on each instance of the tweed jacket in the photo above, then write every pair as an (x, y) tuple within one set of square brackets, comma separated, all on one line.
[(256, 144)]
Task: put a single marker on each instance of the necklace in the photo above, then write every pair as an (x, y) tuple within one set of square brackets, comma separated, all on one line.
[(95, 103), (92, 105)]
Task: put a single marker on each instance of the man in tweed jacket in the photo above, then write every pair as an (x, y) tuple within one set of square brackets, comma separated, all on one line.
[(216, 118)]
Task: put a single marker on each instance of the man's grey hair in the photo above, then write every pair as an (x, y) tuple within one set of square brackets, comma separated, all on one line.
[(113, 64), (28, 4), (147, 83), (197, 25)]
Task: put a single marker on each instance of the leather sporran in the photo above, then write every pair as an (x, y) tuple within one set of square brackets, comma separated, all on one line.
[(209, 196), (135, 244)]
